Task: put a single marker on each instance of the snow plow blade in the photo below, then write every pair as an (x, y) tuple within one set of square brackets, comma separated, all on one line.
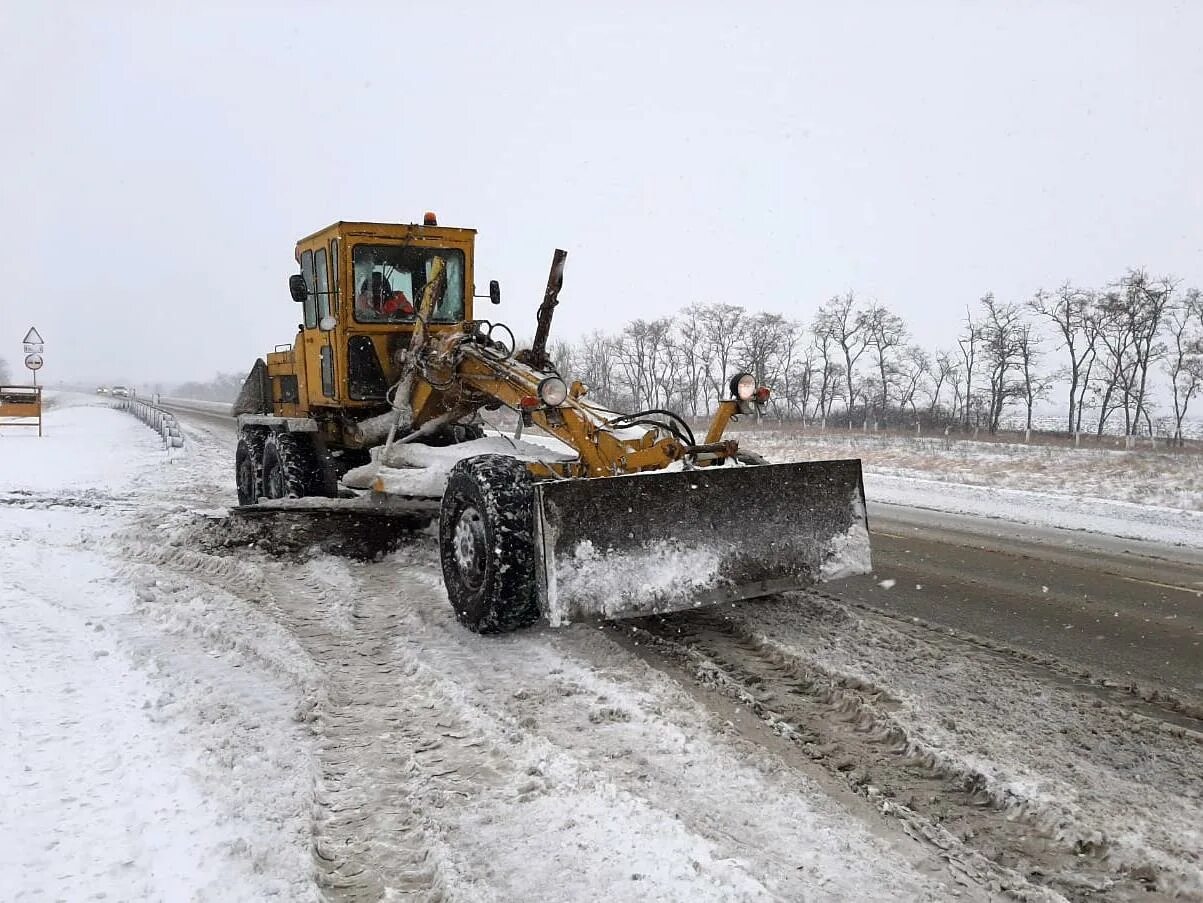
[(615, 547)]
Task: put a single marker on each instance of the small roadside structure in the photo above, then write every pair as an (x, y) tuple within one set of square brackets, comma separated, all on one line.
[(21, 406)]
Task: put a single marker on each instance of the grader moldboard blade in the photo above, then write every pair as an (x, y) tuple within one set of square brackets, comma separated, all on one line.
[(643, 544)]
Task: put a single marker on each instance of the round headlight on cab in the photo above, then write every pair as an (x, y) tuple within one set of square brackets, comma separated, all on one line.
[(743, 386), (553, 392)]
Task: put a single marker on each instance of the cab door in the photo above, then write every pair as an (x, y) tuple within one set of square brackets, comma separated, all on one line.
[(317, 347)]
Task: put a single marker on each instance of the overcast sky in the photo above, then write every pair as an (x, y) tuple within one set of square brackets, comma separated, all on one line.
[(159, 162)]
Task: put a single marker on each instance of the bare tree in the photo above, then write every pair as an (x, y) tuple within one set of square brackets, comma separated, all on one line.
[(946, 370), (563, 356), (968, 343), (1072, 311), (597, 361), (1184, 365), (1117, 375), (1001, 336), (885, 333), (761, 345), (693, 352), (829, 372), (822, 345), (840, 319), (721, 326), (4, 374), (798, 384), (1147, 301), (912, 370), (1034, 385), (793, 371), (643, 354)]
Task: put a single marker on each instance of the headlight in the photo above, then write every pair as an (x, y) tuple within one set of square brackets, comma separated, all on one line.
[(743, 386), (553, 392)]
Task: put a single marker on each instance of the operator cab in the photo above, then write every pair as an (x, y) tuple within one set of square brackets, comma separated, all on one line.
[(389, 281), (360, 288)]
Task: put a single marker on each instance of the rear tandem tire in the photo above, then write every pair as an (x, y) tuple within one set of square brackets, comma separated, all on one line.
[(486, 544), (248, 465), (290, 467)]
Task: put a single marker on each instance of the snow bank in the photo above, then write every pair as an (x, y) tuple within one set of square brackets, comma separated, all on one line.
[(1151, 523), (1156, 497), (135, 764)]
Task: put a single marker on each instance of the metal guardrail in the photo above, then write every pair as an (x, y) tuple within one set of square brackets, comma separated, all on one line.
[(161, 421)]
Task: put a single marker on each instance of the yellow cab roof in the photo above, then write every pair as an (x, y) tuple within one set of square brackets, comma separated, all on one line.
[(394, 231)]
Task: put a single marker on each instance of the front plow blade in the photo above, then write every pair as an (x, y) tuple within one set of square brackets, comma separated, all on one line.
[(615, 547)]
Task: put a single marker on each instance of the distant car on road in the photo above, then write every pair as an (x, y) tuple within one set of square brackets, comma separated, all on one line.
[(120, 391), (101, 390)]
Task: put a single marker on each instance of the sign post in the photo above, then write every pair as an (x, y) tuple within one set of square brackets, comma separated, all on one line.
[(33, 351), (34, 363)]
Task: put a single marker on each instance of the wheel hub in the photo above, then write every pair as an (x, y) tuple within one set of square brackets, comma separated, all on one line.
[(471, 547)]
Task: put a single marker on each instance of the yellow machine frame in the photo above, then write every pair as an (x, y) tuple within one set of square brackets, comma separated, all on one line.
[(462, 377)]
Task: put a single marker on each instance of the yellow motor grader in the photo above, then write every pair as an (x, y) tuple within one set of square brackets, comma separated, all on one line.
[(379, 406)]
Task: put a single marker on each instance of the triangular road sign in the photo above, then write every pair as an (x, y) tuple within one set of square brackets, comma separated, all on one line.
[(32, 337)]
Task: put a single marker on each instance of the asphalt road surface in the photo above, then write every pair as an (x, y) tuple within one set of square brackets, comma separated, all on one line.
[(1120, 610)]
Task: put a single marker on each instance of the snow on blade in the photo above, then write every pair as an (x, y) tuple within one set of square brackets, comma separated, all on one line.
[(670, 541), (850, 554), (661, 576)]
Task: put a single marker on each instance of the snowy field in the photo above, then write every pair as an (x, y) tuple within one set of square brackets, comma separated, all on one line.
[(187, 721)]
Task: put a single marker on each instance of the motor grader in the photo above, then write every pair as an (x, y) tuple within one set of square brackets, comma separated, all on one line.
[(379, 406)]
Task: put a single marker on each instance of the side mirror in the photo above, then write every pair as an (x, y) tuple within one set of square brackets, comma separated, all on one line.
[(297, 288), (494, 291)]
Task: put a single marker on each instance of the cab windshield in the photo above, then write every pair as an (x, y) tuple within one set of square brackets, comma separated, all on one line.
[(389, 281)]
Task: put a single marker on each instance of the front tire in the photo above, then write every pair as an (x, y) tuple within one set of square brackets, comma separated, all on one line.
[(290, 468), (248, 465), (486, 544)]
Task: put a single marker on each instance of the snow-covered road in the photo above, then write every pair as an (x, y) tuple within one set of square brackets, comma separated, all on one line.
[(136, 762), (188, 720)]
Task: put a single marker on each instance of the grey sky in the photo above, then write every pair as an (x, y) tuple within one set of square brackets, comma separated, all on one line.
[(160, 162)]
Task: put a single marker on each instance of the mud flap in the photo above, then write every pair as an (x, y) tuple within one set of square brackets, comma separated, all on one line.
[(614, 547)]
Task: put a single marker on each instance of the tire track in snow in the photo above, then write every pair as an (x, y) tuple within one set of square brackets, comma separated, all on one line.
[(538, 696), (999, 837), (367, 841), (430, 737)]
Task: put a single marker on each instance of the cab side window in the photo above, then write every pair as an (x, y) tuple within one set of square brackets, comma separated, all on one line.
[(310, 283), (334, 284), (323, 284)]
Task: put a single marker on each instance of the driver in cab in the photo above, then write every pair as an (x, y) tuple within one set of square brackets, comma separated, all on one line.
[(377, 300)]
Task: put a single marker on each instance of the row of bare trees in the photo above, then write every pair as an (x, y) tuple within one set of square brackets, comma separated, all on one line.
[(855, 361)]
